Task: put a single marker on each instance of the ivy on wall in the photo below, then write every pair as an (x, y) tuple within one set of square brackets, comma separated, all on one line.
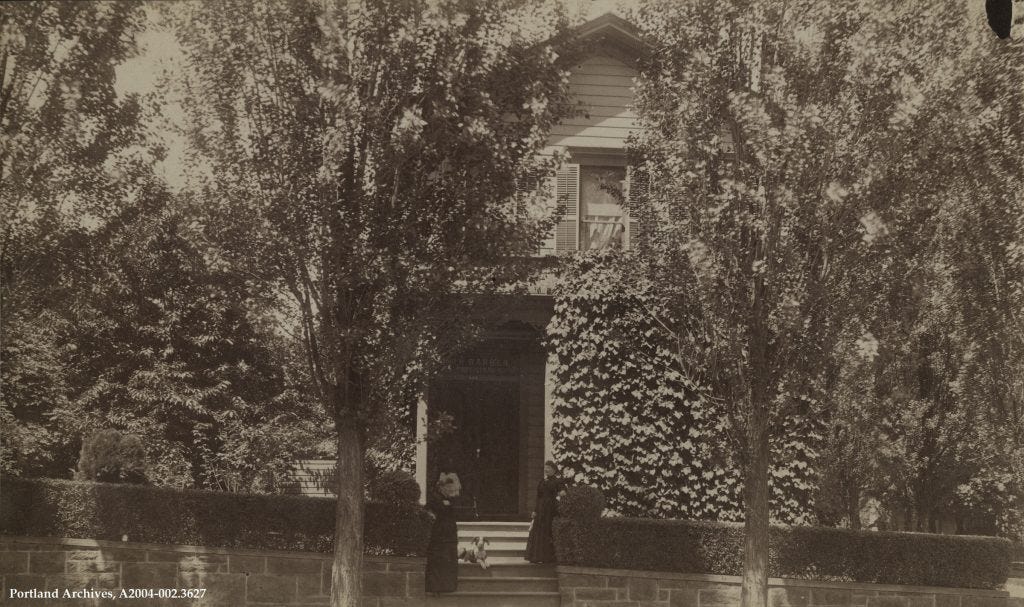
[(627, 421)]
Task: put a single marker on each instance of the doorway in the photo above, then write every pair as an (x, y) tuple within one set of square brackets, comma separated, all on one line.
[(483, 447)]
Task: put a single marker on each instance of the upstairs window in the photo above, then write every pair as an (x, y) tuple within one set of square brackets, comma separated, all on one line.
[(603, 218), (598, 205)]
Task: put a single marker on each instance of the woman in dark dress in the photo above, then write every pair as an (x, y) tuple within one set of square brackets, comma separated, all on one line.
[(540, 548), (442, 552)]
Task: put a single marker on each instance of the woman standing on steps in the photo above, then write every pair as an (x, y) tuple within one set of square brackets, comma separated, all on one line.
[(442, 572), (540, 548)]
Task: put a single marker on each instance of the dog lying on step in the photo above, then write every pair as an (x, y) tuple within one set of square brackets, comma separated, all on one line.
[(475, 552)]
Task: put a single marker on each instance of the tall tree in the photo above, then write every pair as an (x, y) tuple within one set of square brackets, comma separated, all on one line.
[(66, 155), (69, 159), (367, 155), (782, 139)]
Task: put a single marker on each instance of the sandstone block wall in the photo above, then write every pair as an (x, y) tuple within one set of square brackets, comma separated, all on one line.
[(590, 587), (229, 577)]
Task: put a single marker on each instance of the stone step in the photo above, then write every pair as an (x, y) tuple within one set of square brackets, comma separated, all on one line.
[(508, 584), (500, 548), (486, 527), (501, 559), (495, 599), (468, 534), (515, 568)]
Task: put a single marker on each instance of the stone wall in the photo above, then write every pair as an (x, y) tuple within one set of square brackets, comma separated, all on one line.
[(589, 587), (230, 576)]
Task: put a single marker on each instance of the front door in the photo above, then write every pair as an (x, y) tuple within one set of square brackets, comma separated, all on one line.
[(483, 447)]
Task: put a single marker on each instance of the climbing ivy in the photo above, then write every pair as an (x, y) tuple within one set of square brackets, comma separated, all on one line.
[(627, 419)]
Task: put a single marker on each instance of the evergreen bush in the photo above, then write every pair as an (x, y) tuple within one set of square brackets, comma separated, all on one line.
[(163, 515), (581, 502), (111, 457), (396, 486), (814, 553)]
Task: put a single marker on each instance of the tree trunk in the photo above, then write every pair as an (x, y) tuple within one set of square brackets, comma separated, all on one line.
[(755, 500), (853, 507), (346, 574)]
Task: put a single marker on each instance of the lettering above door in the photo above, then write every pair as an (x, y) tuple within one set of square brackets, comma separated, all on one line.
[(483, 365)]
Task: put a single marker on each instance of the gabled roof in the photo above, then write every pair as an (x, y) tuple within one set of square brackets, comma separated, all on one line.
[(612, 32)]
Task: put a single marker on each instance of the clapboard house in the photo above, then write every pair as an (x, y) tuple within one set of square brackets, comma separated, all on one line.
[(499, 393)]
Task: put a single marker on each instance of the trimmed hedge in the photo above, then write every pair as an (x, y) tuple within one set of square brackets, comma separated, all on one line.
[(816, 553), (104, 511), (581, 502)]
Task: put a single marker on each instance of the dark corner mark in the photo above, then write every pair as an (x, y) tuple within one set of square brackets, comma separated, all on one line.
[(1002, 14)]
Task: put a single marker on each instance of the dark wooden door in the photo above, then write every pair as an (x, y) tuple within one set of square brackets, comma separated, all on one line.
[(483, 447)]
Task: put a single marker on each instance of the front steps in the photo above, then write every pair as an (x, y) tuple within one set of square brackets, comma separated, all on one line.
[(510, 581)]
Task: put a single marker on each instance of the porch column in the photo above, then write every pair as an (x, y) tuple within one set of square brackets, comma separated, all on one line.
[(421, 446), (549, 397)]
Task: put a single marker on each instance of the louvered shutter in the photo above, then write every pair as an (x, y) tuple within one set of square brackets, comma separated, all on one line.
[(567, 189), (530, 184), (638, 184), (549, 187)]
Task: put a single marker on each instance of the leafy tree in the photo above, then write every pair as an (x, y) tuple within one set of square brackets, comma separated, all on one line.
[(177, 347), (366, 157), (943, 396), (34, 386), (117, 312), (68, 158), (795, 150)]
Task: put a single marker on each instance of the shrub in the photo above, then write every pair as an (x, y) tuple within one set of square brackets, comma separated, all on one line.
[(395, 486), (103, 511), (581, 502), (111, 457), (818, 553)]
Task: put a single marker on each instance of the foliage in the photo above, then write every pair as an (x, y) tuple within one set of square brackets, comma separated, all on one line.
[(116, 313), (581, 502), (180, 350), (934, 412), (365, 157), (816, 553), (69, 155), (102, 511), (163, 341), (32, 364), (110, 457), (833, 220), (71, 149), (395, 486), (629, 422), (320, 165)]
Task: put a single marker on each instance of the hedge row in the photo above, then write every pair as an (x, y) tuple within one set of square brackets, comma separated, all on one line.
[(104, 511), (816, 553)]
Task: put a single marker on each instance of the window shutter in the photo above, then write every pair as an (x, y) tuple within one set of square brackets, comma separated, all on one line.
[(531, 184), (567, 188), (639, 184), (526, 185)]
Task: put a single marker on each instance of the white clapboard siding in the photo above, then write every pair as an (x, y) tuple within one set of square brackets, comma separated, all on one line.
[(604, 80), (603, 89), (590, 131), (602, 64), (617, 122), (603, 111), (313, 477)]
